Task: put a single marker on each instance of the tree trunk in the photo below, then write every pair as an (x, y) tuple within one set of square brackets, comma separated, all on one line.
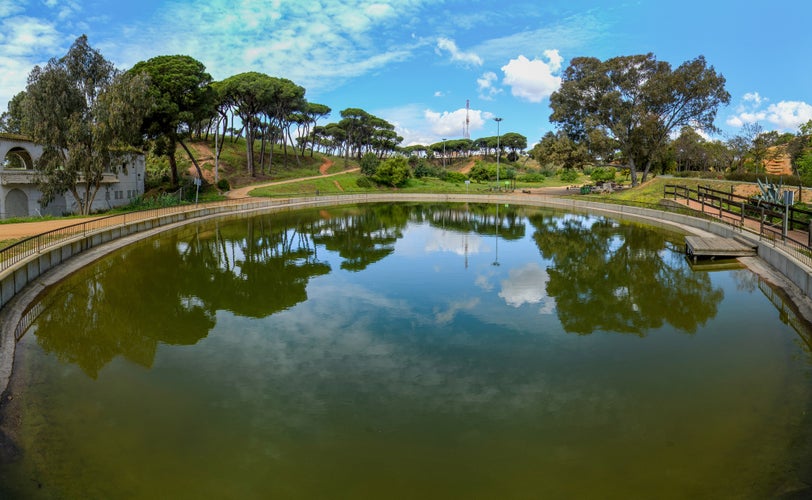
[(191, 157), (173, 166), (249, 150), (633, 172)]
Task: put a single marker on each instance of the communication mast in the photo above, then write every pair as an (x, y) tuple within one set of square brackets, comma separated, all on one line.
[(466, 133)]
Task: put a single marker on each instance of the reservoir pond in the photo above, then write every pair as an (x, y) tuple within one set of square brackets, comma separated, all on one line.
[(409, 351)]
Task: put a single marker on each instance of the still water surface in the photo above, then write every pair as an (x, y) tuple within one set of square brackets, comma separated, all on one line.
[(409, 351)]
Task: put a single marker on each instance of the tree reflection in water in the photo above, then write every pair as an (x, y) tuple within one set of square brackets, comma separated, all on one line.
[(619, 277), (602, 275)]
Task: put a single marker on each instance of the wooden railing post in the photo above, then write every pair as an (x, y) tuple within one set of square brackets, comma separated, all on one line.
[(809, 234)]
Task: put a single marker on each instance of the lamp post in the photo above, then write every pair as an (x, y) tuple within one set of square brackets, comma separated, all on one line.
[(443, 152), (498, 149)]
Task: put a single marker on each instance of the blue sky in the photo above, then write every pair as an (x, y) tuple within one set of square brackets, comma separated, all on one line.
[(416, 62)]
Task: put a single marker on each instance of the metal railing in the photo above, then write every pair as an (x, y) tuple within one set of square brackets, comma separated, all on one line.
[(787, 227), (23, 249)]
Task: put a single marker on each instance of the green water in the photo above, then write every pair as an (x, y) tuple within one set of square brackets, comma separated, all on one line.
[(409, 351)]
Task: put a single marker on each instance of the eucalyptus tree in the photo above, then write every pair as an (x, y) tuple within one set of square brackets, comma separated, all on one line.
[(11, 121), (799, 148), (557, 148), (689, 150), (182, 95), (83, 112), (637, 102)]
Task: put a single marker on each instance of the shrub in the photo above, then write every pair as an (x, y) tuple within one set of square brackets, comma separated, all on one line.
[(532, 177), (568, 175), (363, 182), (223, 185), (393, 172), (482, 172), (603, 174), (548, 170), (786, 180), (423, 169), (455, 177), (369, 164)]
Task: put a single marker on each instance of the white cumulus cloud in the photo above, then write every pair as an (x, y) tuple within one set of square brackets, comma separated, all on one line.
[(448, 45), (785, 115), (789, 115), (533, 80), (486, 84), (451, 123), (527, 285)]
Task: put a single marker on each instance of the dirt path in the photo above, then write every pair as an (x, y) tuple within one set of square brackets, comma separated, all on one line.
[(20, 230), (467, 167), (242, 192)]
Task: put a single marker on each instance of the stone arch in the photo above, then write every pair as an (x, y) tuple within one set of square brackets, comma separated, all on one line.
[(18, 158), (16, 204)]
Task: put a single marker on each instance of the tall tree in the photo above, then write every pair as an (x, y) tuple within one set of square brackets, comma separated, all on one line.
[(558, 148), (11, 121), (182, 95), (637, 101), (248, 94), (513, 141), (313, 112), (285, 101), (354, 121), (81, 110)]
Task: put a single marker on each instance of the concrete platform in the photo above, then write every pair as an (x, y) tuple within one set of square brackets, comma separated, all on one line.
[(718, 246)]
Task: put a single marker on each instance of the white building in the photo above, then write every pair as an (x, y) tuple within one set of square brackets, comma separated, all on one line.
[(20, 195)]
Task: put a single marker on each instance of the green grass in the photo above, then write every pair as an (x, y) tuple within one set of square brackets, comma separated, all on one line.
[(8, 243), (652, 191), (346, 184), (36, 218)]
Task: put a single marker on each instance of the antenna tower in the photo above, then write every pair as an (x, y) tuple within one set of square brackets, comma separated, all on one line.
[(466, 133)]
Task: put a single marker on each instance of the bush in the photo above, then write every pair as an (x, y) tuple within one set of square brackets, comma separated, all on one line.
[(603, 174), (482, 171), (364, 182), (393, 172), (548, 170), (223, 185), (423, 169), (786, 180), (455, 177), (532, 177), (568, 175), (369, 164)]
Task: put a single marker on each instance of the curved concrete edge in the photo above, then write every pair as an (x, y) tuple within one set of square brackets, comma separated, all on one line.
[(23, 283)]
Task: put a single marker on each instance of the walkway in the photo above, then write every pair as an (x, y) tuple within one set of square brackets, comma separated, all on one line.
[(20, 230), (753, 225)]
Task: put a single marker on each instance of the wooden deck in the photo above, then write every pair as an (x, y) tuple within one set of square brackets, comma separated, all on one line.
[(717, 246)]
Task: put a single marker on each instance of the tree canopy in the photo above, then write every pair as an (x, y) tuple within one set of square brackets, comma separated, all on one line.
[(636, 102), (181, 96), (82, 111)]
